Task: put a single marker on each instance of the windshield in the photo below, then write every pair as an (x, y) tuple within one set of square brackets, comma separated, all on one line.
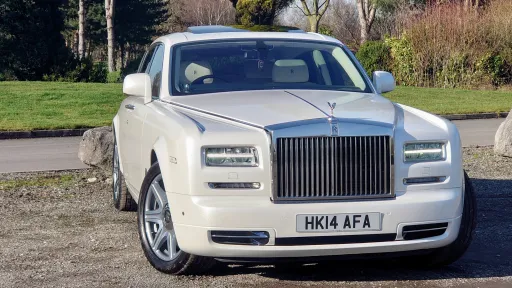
[(263, 65)]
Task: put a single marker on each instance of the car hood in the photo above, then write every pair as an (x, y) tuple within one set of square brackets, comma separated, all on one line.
[(272, 107)]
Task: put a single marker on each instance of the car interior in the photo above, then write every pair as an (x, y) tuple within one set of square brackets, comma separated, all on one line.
[(254, 66)]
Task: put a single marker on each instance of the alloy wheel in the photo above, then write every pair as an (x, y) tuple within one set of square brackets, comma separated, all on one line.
[(158, 222)]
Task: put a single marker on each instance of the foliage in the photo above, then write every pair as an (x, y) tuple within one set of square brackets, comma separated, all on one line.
[(98, 73), (135, 21), (79, 71), (498, 69), (325, 30), (30, 40), (403, 60), (374, 56), (95, 23), (114, 77), (258, 12), (132, 66), (451, 46)]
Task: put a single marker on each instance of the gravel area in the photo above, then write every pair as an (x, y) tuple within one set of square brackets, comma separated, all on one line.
[(59, 229)]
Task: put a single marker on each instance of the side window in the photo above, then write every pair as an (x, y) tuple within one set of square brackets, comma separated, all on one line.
[(155, 70), (338, 75), (147, 58)]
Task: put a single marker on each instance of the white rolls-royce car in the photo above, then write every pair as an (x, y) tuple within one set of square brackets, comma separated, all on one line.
[(269, 147)]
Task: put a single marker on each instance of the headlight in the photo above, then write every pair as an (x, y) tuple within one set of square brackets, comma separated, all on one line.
[(231, 156), (424, 151)]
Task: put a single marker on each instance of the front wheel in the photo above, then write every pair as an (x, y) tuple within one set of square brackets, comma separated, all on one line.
[(157, 234), (451, 253)]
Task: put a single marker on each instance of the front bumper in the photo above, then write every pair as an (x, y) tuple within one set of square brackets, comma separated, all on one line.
[(195, 217)]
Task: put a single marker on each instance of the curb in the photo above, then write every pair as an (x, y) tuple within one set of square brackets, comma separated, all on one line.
[(79, 132), (42, 133), (475, 116)]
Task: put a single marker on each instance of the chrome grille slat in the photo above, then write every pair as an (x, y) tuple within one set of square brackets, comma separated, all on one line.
[(319, 168)]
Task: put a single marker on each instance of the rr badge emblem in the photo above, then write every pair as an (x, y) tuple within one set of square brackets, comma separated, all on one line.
[(333, 121)]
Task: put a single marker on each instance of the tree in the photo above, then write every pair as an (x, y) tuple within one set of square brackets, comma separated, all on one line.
[(258, 12), (109, 15), (343, 20), (81, 28), (315, 13), (135, 24), (366, 9), (31, 43), (210, 12)]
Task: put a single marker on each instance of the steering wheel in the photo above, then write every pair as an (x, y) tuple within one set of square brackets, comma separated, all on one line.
[(202, 78)]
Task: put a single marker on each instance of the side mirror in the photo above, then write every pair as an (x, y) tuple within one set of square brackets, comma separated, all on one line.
[(138, 85), (383, 81)]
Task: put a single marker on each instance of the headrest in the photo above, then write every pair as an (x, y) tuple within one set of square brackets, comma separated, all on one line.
[(290, 71), (190, 71)]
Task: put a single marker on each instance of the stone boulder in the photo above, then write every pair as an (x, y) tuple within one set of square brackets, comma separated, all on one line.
[(96, 148), (503, 138)]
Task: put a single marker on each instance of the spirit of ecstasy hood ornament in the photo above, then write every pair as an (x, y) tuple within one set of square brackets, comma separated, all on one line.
[(333, 121), (332, 106)]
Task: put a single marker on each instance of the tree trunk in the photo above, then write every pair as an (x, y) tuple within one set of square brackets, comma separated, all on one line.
[(121, 56), (109, 15), (364, 33), (313, 23), (366, 10), (81, 27), (75, 42)]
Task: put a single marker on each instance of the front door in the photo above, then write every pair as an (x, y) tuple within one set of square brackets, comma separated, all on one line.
[(135, 112)]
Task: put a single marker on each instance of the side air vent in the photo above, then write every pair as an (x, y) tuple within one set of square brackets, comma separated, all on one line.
[(255, 238), (415, 232)]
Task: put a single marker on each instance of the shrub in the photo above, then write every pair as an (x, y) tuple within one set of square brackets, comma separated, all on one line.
[(132, 66), (98, 73), (8, 75), (325, 30), (78, 71), (449, 46), (375, 56), (114, 77), (403, 60)]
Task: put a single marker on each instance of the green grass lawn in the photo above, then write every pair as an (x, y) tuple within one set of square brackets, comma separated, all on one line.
[(452, 101), (53, 105)]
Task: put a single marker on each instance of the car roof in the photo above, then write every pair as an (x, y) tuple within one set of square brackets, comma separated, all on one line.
[(205, 33)]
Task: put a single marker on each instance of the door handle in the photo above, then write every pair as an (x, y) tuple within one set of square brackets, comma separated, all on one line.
[(129, 106)]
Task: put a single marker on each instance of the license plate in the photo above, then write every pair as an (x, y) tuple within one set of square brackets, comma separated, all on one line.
[(338, 222)]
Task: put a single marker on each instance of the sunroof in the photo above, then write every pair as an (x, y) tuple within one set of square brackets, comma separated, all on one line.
[(257, 28), (213, 29)]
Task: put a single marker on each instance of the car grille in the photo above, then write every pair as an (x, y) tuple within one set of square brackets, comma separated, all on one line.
[(323, 168)]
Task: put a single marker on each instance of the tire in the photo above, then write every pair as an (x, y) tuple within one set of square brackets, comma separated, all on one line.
[(170, 259), (447, 255), (123, 201)]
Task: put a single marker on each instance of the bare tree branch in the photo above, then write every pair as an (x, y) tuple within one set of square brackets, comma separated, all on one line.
[(305, 6)]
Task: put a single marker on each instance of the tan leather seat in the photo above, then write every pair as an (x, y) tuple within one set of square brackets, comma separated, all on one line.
[(290, 71), (190, 71)]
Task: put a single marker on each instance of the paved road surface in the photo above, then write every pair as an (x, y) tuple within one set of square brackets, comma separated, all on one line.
[(478, 132), (61, 153), (40, 154)]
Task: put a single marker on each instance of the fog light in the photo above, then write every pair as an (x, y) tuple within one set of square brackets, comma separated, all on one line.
[(255, 238), (423, 180), (247, 185)]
